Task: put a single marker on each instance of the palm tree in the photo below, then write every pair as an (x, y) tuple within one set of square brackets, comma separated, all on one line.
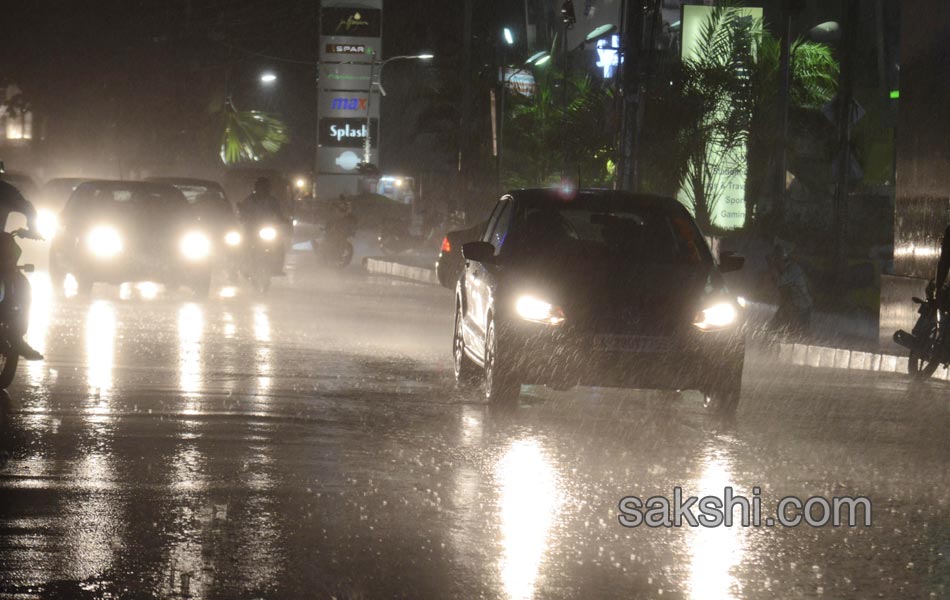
[(730, 91), (248, 135)]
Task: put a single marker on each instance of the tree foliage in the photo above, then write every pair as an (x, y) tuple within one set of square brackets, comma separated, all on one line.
[(249, 136)]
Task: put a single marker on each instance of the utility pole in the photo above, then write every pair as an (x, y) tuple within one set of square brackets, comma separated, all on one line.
[(465, 129), (630, 62), (845, 100)]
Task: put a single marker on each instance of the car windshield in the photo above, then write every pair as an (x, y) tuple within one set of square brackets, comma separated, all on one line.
[(195, 193), (145, 197), (631, 234)]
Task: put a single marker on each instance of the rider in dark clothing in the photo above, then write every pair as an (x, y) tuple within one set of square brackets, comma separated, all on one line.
[(16, 307), (943, 266), (260, 205)]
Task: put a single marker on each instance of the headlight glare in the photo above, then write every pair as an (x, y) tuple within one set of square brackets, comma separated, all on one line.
[(46, 223), (232, 238), (536, 310), (195, 246), (104, 242), (268, 234), (718, 316)]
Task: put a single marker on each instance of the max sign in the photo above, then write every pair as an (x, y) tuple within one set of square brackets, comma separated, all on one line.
[(347, 133), (349, 104)]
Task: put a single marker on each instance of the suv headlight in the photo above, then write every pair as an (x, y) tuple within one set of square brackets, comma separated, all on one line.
[(718, 316), (104, 241), (268, 234), (536, 310), (195, 246)]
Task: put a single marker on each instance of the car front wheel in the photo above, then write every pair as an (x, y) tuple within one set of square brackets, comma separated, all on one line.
[(501, 383)]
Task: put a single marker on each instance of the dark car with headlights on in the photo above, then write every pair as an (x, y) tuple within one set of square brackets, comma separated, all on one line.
[(599, 288), (216, 215), (123, 231), (449, 265)]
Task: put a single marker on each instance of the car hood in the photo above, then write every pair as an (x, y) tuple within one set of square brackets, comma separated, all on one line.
[(615, 296)]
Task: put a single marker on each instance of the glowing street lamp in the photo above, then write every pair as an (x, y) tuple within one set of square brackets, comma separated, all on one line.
[(367, 143), (268, 78)]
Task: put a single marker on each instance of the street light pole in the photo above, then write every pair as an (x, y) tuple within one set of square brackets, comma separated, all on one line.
[(367, 141)]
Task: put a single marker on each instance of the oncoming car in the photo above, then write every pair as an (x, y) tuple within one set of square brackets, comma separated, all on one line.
[(598, 288), (121, 231), (216, 215)]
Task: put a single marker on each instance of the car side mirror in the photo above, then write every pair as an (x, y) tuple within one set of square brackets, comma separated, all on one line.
[(28, 268), (482, 252), (730, 261)]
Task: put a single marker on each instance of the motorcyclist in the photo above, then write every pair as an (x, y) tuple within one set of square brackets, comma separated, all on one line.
[(942, 280), (795, 302), (261, 205), (15, 307)]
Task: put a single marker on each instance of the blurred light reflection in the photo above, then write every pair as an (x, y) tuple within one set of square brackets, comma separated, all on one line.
[(100, 347), (529, 500), (190, 335), (715, 552), (38, 334)]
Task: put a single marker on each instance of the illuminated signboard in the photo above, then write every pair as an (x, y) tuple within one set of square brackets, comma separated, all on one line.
[(352, 22), (348, 104), (608, 55), (347, 133), (725, 168), (346, 48)]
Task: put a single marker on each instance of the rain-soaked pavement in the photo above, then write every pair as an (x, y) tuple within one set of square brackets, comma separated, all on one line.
[(313, 445)]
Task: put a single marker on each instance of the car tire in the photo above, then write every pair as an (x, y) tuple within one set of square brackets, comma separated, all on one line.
[(722, 399), (466, 371), (501, 384)]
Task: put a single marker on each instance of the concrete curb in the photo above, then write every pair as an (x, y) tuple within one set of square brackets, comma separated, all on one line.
[(379, 266), (807, 355), (803, 355)]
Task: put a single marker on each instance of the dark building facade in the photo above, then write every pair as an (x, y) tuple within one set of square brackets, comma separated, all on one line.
[(922, 207)]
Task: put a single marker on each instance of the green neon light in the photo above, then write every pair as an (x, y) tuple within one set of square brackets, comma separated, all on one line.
[(895, 94)]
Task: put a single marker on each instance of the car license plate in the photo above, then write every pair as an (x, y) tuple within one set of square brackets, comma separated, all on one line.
[(631, 343)]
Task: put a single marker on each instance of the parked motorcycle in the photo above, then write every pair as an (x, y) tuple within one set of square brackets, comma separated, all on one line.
[(336, 250), (929, 342), (265, 255), (12, 326)]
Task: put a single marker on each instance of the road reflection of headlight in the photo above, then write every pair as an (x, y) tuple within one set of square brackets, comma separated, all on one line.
[(46, 223), (232, 238), (268, 234), (717, 316), (195, 246), (533, 309), (104, 242)]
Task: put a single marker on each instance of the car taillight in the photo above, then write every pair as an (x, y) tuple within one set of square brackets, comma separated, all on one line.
[(446, 245)]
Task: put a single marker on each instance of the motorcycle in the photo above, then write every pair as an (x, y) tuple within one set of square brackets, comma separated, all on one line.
[(336, 250), (264, 256), (929, 341), (12, 325)]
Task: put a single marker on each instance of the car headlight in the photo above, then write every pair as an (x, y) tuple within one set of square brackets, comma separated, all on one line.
[(536, 310), (232, 238), (718, 316), (46, 223), (195, 246), (268, 234), (104, 241)]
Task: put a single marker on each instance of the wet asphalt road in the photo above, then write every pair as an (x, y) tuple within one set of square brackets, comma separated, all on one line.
[(313, 445)]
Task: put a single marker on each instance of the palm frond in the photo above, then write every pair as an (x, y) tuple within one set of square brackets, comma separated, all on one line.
[(249, 136)]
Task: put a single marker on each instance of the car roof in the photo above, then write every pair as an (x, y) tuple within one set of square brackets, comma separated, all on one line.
[(184, 181), (549, 196)]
